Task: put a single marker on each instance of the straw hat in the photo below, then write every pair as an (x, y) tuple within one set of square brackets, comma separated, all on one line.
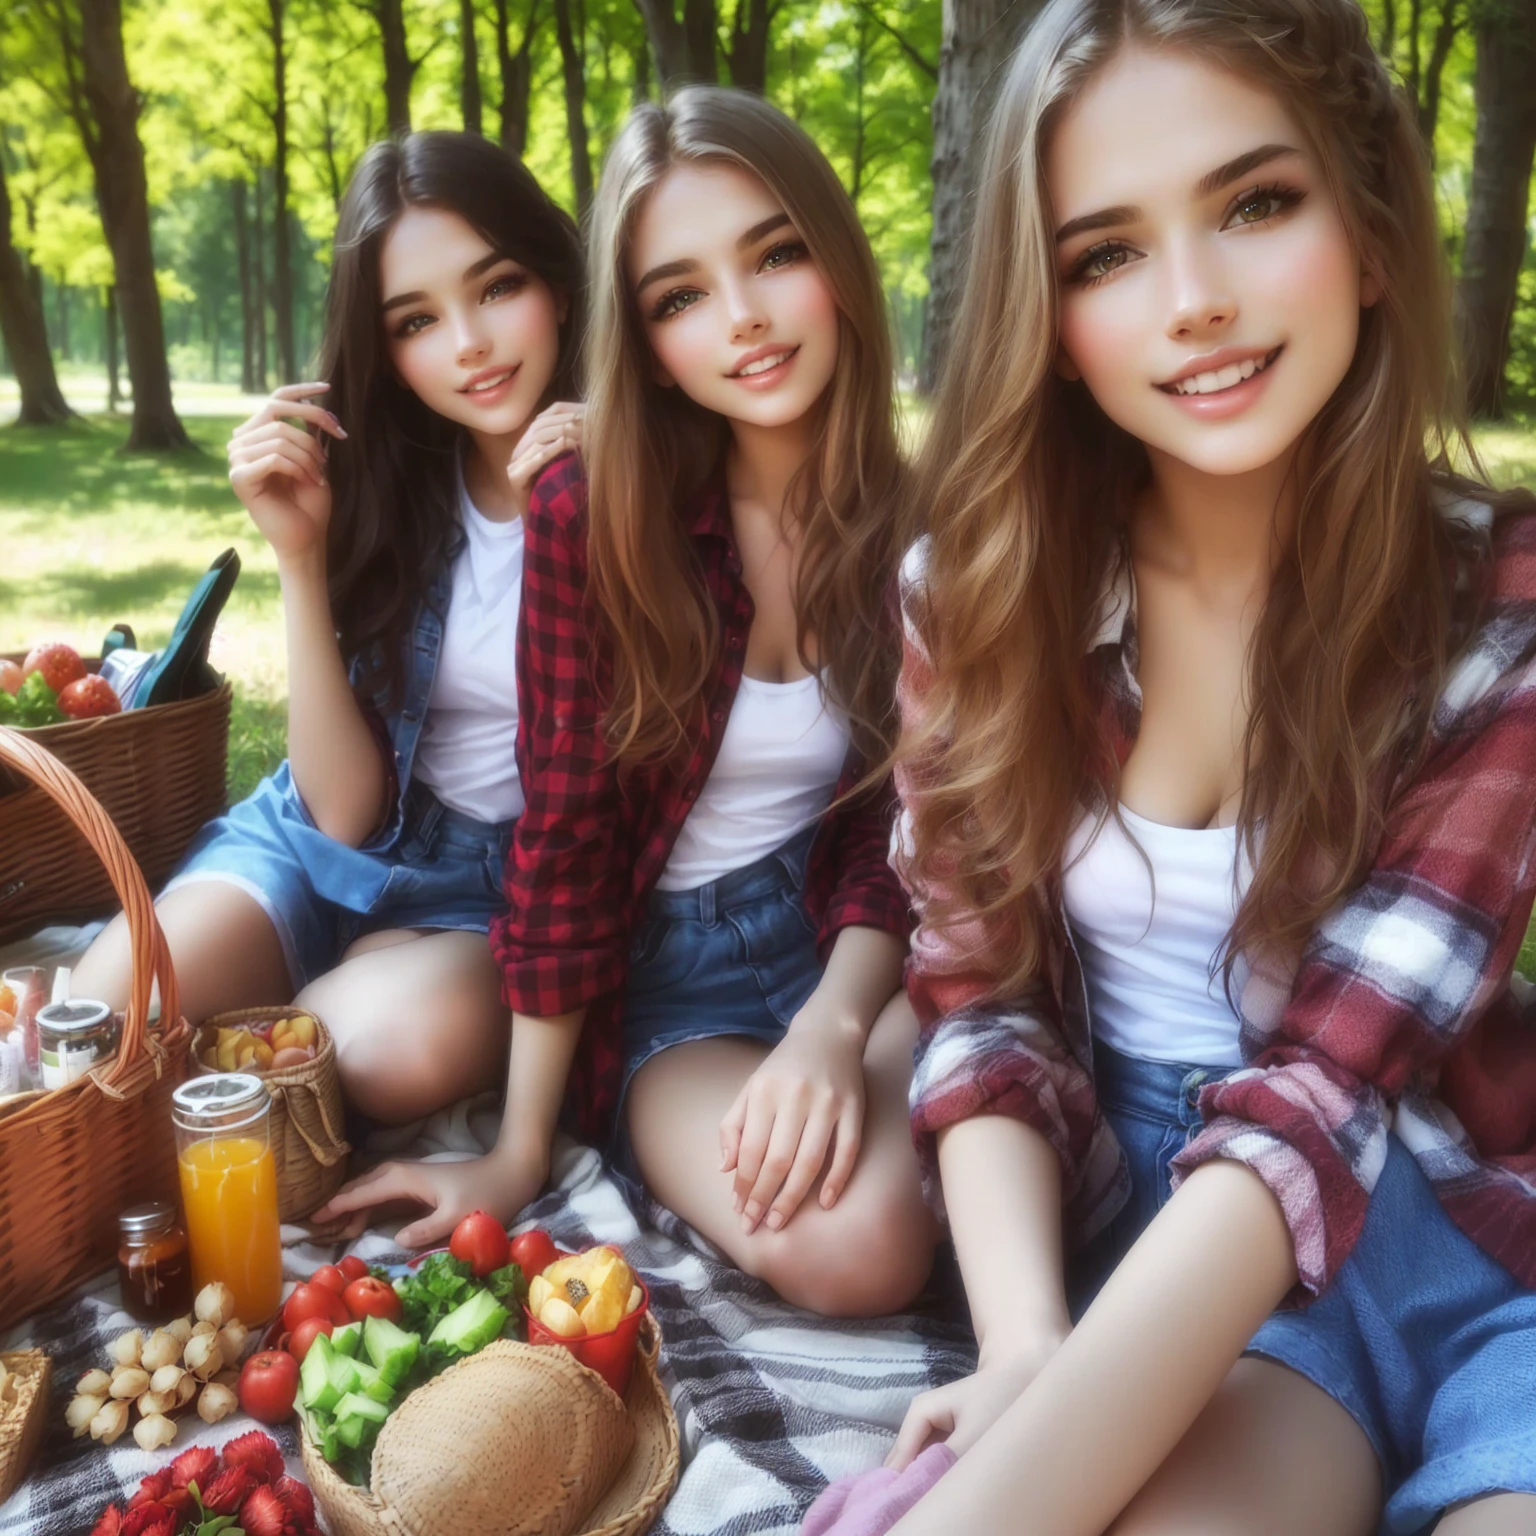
[(517, 1440)]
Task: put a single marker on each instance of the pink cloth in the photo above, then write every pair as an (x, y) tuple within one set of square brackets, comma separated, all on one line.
[(870, 1503)]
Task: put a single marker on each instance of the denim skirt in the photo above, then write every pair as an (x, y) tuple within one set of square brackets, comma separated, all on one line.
[(1426, 1342)]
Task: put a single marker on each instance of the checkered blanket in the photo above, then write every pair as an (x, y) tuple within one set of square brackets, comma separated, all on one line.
[(771, 1402)]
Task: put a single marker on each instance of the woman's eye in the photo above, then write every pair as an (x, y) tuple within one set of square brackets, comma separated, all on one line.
[(674, 303), (501, 286), (1096, 264), (783, 255), (412, 324), (1260, 205)]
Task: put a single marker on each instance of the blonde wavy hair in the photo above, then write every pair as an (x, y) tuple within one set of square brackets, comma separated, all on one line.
[(1026, 486), (649, 448)]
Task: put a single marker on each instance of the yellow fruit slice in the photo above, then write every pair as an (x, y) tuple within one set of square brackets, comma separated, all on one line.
[(264, 1054), (560, 1318), (302, 1027), (539, 1291), (225, 1057), (602, 1310), (636, 1296), (568, 1268)]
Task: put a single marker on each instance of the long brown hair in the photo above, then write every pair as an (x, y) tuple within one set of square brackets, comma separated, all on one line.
[(1026, 485), (648, 449)]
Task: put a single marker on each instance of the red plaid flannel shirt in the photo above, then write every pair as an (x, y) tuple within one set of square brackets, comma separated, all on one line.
[(588, 848), (1401, 1013)]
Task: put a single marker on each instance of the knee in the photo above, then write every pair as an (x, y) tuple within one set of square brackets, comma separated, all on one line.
[(391, 1076)]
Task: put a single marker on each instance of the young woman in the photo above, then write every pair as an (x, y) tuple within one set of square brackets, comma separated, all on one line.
[(699, 885), (1219, 788), (364, 874)]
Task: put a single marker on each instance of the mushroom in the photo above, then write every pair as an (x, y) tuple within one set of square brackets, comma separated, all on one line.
[(216, 1403), (82, 1409), (153, 1432), (110, 1422), (163, 1348), (129, 1381), (215, 1304), (126, 1348)]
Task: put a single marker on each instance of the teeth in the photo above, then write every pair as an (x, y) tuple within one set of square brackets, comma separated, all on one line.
[(501, 378), (1221, 378), (763, 364)]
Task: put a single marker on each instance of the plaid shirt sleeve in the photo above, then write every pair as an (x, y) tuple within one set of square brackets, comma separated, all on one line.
[(563, 939), (866, 892), (977, 1055), (1395, 979)]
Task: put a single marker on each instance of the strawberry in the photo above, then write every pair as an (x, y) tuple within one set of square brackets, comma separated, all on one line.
[(60, 664), (87, 697), (149, 1520), (258, 1454), (196, 1464), (226, 1493), (299, 1500), (263, 1514), (153, 1489), (110, 1523)]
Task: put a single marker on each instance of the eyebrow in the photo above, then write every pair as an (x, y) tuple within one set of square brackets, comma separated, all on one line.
[(744, 243), (1212, 181), (470, 274)]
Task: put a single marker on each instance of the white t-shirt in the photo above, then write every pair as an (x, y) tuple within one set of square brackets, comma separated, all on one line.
[(467, 753), (779, 761), (1147, 963)]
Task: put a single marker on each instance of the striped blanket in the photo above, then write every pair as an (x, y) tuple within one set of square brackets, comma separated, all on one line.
[(772, 1403)]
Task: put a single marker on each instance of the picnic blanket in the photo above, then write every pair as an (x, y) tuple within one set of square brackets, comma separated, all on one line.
[(772, 1403)]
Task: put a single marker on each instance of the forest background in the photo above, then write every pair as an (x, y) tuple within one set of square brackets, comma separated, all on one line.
[(170, 172)]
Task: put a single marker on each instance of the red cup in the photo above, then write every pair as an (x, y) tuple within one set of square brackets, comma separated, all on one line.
[(611, 1354)]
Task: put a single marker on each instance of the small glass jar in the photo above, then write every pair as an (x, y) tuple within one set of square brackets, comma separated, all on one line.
[(72, 1038), (154, 1263), (229, 1188)]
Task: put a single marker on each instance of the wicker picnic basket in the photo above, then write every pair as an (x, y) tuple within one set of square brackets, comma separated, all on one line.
[(307, 1118), (517, 1440), (22, 1419), (71, 1159), (159, 775)]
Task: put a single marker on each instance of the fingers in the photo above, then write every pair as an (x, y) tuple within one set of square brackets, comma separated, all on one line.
[(756, 1129), (788, 1127), (291, 401), (541, 445), (280, 459), (929, 1418), (389, 1181), (850, 1136), (809, 1157), (289, 442), (426, 1231)]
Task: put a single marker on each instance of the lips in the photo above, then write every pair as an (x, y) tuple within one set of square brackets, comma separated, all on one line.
[(1226, 374), (762, 361), (488, 380)]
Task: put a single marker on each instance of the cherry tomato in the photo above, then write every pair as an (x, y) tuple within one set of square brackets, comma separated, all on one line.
[(352, 1267), (481, 1241), (304, 1335), (533, 1252), (269, 1382), (330, 1277), (341, 1313), (308, 1301), (372, 1297)]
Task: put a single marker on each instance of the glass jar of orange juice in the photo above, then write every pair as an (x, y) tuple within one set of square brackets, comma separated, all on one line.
[(229, 1188)]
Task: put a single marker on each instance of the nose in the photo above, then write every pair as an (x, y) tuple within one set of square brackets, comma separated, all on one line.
[(469, 336), (1201, 300), (744, 307)]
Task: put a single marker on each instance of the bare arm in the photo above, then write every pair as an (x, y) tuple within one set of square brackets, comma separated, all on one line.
[(1123, 1389)]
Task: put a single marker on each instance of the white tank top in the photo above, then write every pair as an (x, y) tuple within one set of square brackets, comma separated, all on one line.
[(779, 761), (1148, 963)]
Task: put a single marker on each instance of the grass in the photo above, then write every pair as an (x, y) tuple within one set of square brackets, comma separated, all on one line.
[(90, 536)]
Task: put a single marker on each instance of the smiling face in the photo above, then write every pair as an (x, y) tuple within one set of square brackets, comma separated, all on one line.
[(738, 315), (1209, 295), (472, 333)]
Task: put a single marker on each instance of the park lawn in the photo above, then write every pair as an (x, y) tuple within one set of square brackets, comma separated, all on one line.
[(89, 536)]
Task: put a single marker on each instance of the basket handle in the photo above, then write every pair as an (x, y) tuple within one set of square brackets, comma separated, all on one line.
[(151, 958)]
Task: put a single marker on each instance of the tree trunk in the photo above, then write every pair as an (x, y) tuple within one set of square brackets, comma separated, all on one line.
[(469, 79), (26, 331), (516, 70), (61, 321), (282, 258), (684, 49), (258, 248), (117, 158), (749, 45), (1451, 20), (1502, 154), (109, 324), (573, 66), (398, 67), (243, 259), (979, 38)]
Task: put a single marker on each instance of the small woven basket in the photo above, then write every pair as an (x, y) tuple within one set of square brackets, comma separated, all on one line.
[(21, 1421), (73, 1158), (159, 775), (307, 1118), (514, 1441)]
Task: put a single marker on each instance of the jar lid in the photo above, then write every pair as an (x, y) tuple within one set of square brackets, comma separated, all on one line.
[(221, 1101), (73, 1018), (147, 1219)]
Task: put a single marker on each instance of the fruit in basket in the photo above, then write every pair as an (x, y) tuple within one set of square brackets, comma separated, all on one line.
[(88, 697), (10, 676), (481, 1241), (269, 1382), (34, 704), (59, 664), (585, 1293)]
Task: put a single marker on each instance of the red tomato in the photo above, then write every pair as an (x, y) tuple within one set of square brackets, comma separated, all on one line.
[(308, 1301), (372, 1297), (341, 1313), (304, 1335), (481, 1241), (353, 1267), (533, 1252), (330, 1277), (269, 1382)]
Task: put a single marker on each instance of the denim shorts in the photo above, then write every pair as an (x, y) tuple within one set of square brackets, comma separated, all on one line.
[(443, 871), (1426, 1342), (734, 957)]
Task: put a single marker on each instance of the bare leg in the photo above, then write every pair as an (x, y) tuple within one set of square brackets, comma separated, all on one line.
[(871, 1253), (1500, 1514), (417, 1019), (1271, 1455), (226, 952)]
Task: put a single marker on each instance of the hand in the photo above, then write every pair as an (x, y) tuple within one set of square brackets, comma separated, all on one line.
[(776, 1135), (553, 431), (963, 1411), (278, 470), (496, 1184)]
